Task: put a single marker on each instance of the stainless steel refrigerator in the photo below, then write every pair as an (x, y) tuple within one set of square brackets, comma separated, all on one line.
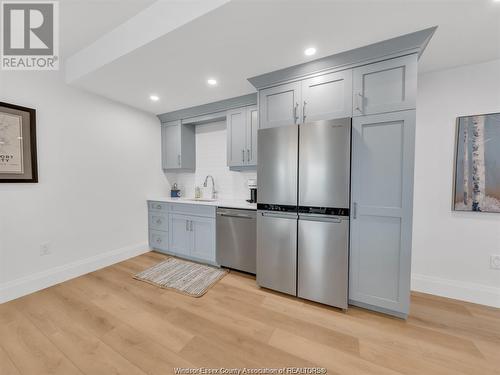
[(303, 179)]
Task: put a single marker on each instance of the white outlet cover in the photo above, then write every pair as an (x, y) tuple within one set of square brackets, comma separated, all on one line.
[(495, 262), (45, 249)]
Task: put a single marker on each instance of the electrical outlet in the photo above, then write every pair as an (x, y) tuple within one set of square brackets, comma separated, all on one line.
[(45, 249), (495, 262)]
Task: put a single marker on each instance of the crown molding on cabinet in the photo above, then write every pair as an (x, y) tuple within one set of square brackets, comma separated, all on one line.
[(402, 45), (209, 112)]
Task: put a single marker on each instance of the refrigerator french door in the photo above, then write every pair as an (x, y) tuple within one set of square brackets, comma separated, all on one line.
[(277, 173), (323, 200)]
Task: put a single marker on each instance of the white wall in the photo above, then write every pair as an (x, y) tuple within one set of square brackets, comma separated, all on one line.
[(451, 250), (211, 159), (98, 162)]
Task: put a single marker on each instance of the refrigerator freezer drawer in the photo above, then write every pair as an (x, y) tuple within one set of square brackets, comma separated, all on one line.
[(323, 260), (277, 251)]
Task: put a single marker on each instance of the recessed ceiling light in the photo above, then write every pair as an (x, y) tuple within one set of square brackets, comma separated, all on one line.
[(154, 98), (310, 51), (211, 81)]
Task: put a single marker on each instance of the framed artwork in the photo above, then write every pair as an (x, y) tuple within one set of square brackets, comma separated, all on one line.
[(18, 158), (477, 164)]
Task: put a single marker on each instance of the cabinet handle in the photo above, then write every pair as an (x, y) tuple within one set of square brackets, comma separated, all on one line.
[(158, 221), (187, 225), (243, 156), (354, 210), (248, 155), (295, 115), (158, 206), (304, 112), (359, 98), (158, 240), (191, 225), (179, 160)]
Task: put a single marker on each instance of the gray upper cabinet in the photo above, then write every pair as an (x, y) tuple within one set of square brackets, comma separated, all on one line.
[(387, 86), (322, 97), (242, 126), (252, 129), (236, 137), (381, 211), (328, 96), (280, 105), (178, 146)]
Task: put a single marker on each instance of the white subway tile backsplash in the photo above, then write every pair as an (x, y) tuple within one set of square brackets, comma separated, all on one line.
[(211, 160)]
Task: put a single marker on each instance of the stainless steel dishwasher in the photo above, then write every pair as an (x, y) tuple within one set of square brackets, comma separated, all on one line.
[(236, 239)]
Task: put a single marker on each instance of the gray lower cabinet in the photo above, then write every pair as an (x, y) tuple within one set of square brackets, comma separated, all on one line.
[(192, 232), (328, 96), (280, 105), (242, 126), (178, 146), (158, 226), (180, 234), (381, 211), (203, 238), (386, 86)]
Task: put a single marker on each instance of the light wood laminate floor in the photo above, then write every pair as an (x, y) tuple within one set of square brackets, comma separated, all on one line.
[(108, 323)]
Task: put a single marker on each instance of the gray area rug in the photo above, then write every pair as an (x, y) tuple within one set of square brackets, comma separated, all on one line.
[(190, 278)]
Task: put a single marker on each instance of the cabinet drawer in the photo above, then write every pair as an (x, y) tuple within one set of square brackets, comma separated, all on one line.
[(158, 206), (193, 209), (158, 221), (158, 240)]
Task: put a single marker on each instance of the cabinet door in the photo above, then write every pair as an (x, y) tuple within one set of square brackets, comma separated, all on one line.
[(381, 211), (251, 137), (386, 86), (179, 234), (236, 137), (327, 96), (203, 238), (171, 145), (280, 105)]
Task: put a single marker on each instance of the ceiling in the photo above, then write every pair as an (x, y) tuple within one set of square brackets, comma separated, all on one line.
[(84, 21), (245, 38)]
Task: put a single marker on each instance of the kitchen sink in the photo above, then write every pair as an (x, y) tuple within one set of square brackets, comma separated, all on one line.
[(200, 200)]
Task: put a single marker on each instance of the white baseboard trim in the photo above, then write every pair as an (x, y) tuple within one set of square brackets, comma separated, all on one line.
[(41, 280), (470, 292)]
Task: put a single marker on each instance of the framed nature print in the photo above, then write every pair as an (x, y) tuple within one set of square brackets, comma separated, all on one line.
[(18, 158), (477, 164)]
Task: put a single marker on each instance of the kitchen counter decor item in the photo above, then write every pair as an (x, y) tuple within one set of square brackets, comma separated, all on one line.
[(18, 156), (175, 192)]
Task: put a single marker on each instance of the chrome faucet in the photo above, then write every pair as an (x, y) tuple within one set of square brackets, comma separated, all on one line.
[(214, 193)]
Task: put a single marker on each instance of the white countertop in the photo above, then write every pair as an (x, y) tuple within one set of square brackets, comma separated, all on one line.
[(236, 203)]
